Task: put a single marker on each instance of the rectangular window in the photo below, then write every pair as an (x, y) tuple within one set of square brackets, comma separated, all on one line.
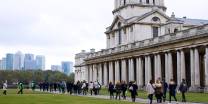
[(155, 31), (147, 1)]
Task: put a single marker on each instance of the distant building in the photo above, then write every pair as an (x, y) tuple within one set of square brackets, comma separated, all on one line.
[(67, 67), (9, 61), (4, 63), (40, 62), (18, 61), (29, 62), (56, 68)]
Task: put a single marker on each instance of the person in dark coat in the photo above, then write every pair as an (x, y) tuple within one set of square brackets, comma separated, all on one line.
[(172, 90), (111, 90), (55, 86), (124, 89), (183, 89), (118, 90), (165, 88), (133, 89)]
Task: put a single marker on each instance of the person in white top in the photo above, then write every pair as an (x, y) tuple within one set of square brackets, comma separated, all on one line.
[(91, 86), (150, 91), (5, 88)]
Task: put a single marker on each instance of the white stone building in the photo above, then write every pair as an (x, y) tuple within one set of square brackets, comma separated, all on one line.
[(143, 43)]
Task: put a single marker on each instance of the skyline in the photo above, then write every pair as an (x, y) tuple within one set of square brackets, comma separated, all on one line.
[(59, 29)]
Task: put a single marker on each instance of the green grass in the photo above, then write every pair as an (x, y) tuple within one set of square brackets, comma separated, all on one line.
[(191, 97), (45, 98)]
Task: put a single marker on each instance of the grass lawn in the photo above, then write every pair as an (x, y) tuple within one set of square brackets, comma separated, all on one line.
[(191, 97), (45, 98)]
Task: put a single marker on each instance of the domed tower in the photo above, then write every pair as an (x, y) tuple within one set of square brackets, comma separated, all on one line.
[(131, 8)]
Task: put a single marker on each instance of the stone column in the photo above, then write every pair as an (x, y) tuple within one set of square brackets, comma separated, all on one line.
[(197, 70), (206, 69), (170, 65), (91, 72), (178, 67), (156, 66), (166, 68), (148, 72), (158, 71), (95, 72), (117, 71), (111, 72), (105, 74), (183, 66), (86, 73), (139, 72), (124, 72), (100, 75), (131, 69), (192, 60)]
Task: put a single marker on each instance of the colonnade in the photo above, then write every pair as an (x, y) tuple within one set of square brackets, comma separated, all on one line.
[(185, 63)]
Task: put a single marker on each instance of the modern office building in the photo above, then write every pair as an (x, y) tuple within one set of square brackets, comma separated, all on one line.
[(29, 62), (40, 62), (18, 61), (9, 61), (67, 67), (143, 44)]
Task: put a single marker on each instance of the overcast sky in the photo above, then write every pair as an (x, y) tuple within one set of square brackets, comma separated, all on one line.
[(59, 29)]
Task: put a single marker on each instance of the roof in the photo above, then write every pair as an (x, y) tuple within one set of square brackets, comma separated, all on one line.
[(188, 21)]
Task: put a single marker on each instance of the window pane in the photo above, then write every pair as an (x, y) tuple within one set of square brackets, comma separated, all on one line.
[(155, 32)]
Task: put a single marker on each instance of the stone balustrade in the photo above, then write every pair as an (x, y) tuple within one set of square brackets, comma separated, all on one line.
[(148, 42)]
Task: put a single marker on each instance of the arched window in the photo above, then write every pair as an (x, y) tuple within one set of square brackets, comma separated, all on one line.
[(155, 19), (147, 1), (119, 33)]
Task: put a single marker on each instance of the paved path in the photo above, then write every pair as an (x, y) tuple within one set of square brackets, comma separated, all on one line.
[(139, 100)]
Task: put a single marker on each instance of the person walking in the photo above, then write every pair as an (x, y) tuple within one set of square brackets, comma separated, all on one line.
[(133, 89), (183, 89), (165, 88), (21, 87), (150, 91), (118, 90), (124, 89), (158, 91), (111, 90), (5, 88), (91, 87), (172, 90)]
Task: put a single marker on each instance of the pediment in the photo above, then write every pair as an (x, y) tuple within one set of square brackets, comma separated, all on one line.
[(149, 17), (118, 19)]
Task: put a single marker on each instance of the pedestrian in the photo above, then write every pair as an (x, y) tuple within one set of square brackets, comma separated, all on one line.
[(172, 90), (33, 86), (84, 92), (165, 88), (5, 88), (158, 91), (96, 87), (91, 87), (150, 91), (111, 90), (118, 90), (133, 89), (183, 89), (124, 89), (21, 87)]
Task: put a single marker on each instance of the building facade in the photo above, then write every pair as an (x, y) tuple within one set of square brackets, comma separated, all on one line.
[(9, 61), (66, 67), (29, 62), (143, 43), (40, 62)]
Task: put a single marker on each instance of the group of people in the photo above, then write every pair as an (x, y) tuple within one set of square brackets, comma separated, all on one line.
[(77, 88), (120, 89), (20, 87), (160, 88)]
